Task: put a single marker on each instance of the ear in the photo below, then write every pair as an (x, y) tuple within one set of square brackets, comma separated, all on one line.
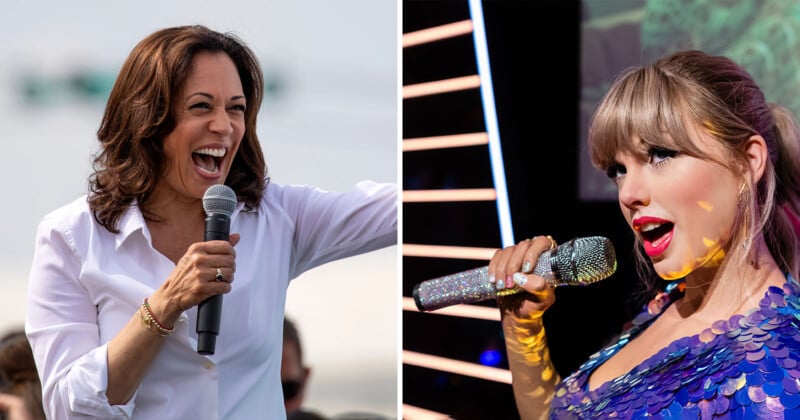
[(756, 155)]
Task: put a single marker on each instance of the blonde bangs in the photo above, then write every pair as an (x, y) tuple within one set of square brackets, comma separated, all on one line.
[(646, 108)]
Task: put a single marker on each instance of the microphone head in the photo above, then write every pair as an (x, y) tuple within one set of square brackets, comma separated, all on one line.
[(218, 199), (582, 261)]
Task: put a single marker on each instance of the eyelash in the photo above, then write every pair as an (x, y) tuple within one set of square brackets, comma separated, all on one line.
[(613, 171), (666, 154), (616, 170)]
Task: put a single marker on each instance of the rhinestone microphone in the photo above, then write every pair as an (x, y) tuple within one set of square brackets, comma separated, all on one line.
[(579, 262)]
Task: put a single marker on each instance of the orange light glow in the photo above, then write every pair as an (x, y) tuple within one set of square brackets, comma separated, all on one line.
[(712, 258), (705, 205)]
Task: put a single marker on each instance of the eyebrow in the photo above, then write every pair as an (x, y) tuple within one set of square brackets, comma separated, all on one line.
[(210, 96)]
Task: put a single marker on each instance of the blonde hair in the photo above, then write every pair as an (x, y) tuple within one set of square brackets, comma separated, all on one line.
[(655, 103)]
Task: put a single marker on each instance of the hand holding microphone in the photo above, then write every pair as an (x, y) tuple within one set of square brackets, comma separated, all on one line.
[(580, 261)]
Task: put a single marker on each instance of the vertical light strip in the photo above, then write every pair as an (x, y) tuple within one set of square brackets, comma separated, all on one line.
[(490, 116)]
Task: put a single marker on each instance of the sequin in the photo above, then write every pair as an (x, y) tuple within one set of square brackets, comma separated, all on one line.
[(755, 356), (788, 363), (723, 404), (790, 401), (747, 367), (730, 386), (774, 376), (707, 335), (755, 378), (744, 367), (719, 327), (773, 389), (790, 385)]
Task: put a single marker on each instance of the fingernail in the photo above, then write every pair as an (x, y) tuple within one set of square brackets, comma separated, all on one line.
[(491, 278), (500, 285), (526, 267), (520, 279)]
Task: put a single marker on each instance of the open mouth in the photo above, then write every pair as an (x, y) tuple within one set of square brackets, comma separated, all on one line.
[(208, 160), (651, 232)]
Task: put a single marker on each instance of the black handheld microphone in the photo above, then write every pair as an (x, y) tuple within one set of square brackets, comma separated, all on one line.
[(218, 203), (580, 261)]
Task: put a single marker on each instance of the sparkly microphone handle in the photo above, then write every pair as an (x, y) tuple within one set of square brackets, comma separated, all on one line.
[(580, 261)]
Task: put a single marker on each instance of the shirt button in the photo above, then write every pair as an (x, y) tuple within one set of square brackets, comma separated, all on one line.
[(209, 365)]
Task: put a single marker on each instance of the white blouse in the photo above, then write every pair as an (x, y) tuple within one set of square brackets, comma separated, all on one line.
[(86, 283)]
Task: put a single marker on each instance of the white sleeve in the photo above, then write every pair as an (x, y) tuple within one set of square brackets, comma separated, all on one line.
[(61, 325), (335, 225)]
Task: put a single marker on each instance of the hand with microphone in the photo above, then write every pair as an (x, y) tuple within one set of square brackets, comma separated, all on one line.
[(580, 261), (219, 201)]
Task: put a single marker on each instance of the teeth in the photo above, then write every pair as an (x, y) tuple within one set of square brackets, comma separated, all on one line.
[(211, 152), (649, 226)]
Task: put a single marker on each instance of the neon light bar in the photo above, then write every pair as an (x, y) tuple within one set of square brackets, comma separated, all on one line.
[(437, 33), (444, 142), (440, 251), (462, 194), (441, 86)]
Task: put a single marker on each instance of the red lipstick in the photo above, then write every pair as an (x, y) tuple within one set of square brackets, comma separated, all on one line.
[(656, 234)]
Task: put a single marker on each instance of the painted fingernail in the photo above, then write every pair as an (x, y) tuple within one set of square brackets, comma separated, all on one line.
[(491, 278), (520, 279), (500, 285), (526, 267)]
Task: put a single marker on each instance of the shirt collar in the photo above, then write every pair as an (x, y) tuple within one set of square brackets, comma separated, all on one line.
[(132, 220)]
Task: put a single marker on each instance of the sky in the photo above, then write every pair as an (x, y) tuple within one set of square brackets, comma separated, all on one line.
[(329, 119)]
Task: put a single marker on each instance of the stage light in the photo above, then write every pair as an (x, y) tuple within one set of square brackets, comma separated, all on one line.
[(491, 357)]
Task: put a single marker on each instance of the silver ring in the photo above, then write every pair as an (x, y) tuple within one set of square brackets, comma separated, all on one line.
[(219, 277)]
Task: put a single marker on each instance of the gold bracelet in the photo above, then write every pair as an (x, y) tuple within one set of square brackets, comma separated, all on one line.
[(150, 312), (149, 322)]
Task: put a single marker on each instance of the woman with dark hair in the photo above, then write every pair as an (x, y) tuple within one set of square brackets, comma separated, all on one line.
[(118, 274), (708, 180)]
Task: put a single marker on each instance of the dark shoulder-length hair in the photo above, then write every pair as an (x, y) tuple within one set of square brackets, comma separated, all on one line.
[(139, 114)]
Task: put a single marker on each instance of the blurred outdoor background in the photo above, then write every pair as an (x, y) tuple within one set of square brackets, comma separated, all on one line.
[(329, 119)]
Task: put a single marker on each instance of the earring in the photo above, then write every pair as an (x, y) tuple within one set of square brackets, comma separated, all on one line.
[(743, 208)]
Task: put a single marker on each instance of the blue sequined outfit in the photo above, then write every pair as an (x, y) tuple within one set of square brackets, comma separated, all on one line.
[(743, 368)]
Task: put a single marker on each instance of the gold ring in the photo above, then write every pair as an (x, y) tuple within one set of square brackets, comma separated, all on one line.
[(219, 277), (553, 244)]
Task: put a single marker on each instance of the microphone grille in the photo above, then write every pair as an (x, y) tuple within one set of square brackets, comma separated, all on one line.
[(582, 261), (219, 198)]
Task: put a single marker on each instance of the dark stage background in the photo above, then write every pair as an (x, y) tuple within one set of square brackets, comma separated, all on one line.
[(551, 61), (534, 49)]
